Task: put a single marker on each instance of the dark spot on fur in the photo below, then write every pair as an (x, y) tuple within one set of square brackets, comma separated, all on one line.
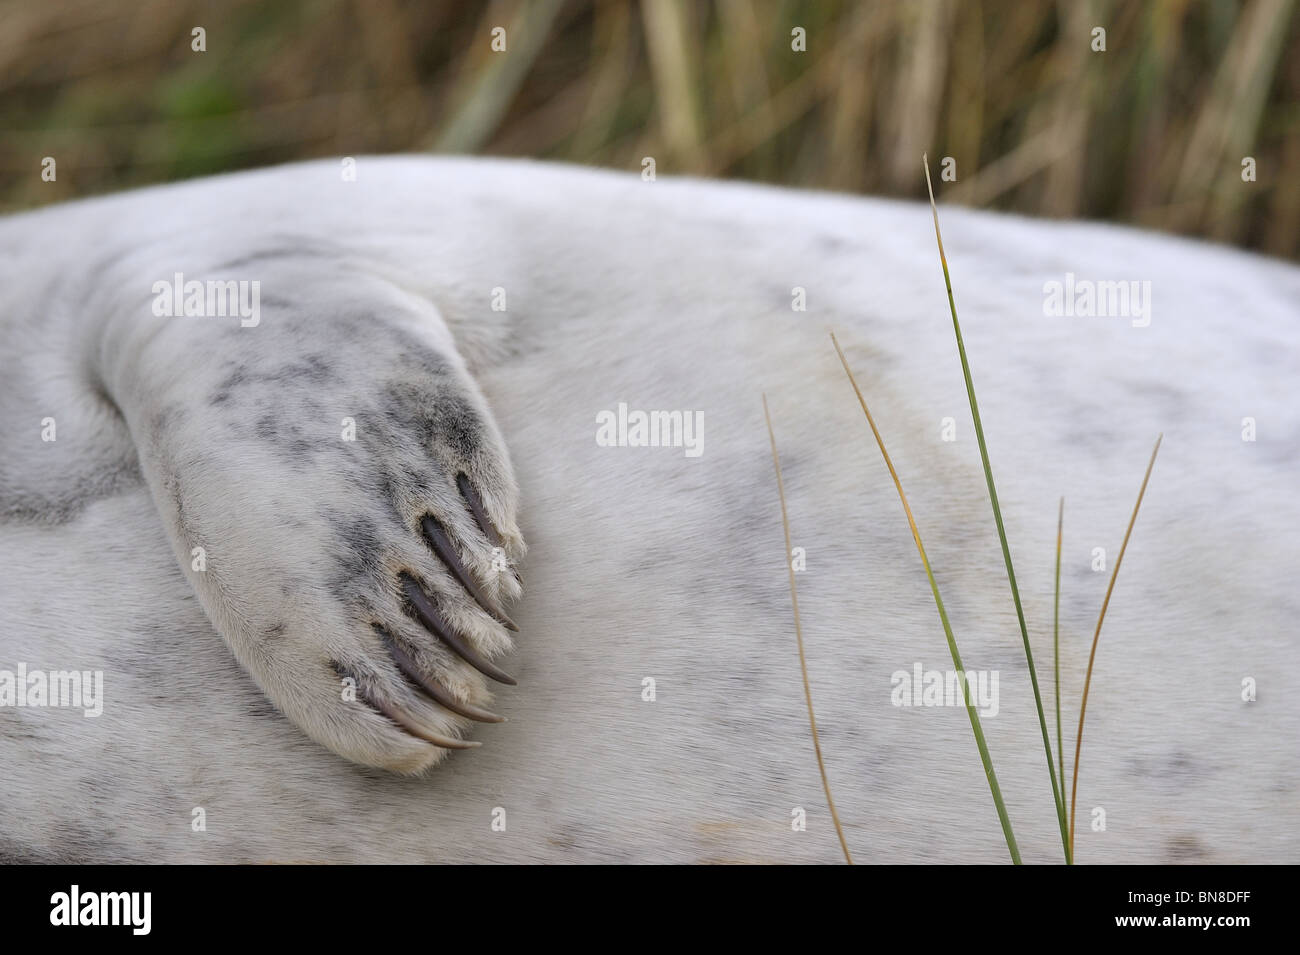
[(312, 368), (57, 504), (234, 379), (267, 428), (434, 415), (357, 553), (1185, 849), (261, 708), (13, 726), (64, 844)]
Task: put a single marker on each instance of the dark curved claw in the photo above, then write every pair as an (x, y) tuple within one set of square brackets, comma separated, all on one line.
[(440, 693), (478, 510), (428, 614), (442, 546), (437, 739)]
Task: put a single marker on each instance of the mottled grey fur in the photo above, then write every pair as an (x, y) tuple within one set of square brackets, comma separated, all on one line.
[(376, 305)]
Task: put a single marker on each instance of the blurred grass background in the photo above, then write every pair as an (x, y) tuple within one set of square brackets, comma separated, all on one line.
[(1152, 131)]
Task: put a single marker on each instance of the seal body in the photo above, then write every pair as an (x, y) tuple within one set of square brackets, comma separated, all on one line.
[(589, 350)]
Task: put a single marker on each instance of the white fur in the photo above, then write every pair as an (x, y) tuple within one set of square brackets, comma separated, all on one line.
[(644, 562)]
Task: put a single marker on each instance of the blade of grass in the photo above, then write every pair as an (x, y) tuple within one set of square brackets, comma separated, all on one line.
[(1056, 659), (1087, 680), (798, 633), (489, 85), (943, 616), (1057, 796)]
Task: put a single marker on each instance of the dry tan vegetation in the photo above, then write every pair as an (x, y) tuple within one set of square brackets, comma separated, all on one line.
[(1152, 131)]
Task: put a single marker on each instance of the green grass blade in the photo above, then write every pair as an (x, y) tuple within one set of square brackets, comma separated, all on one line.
[(1087, 680), (798, 633), (997, 517), (1056, 658), (943, 616)]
